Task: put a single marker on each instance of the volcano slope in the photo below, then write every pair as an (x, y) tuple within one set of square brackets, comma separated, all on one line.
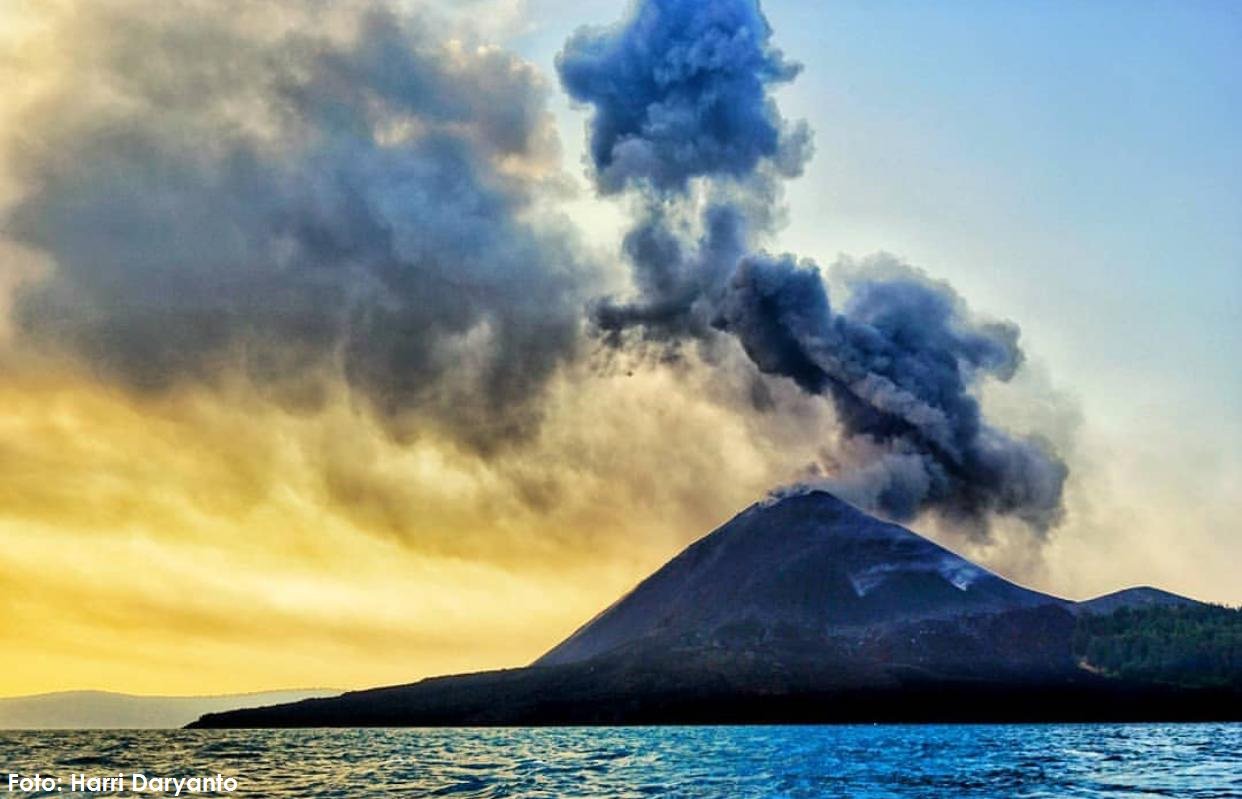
[(803, 609)]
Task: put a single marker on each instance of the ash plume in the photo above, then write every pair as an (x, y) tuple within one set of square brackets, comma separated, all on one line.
[(681, 90), (306, 196), (683, 121)]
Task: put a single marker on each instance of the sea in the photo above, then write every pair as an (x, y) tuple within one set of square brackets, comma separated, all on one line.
[(859, 762)]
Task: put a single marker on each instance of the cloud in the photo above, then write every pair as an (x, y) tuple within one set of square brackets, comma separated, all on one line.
[(336, 191), (346, 202), (901, 364), (680, 89), (204, 518), (299, 283)]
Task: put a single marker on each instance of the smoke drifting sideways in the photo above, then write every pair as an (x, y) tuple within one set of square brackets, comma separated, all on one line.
[(308, 196), (684, 122)]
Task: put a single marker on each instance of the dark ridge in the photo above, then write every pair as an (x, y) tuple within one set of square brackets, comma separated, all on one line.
[(1141, 596), (570, 703)]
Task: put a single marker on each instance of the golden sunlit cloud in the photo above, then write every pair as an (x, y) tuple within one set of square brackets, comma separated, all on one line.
[(163, 539)]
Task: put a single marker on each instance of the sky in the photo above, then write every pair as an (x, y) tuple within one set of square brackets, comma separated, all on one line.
[(324, 361)]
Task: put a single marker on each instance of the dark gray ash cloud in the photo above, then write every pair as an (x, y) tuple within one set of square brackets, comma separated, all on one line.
[(900, 362), (681, 90), (337, 194), (684, 121)]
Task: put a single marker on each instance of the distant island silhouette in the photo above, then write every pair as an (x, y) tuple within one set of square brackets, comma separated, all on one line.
[(807, 610), (108, 710)]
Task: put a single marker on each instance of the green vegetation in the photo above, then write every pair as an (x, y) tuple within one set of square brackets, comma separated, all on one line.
[(1193, 645)]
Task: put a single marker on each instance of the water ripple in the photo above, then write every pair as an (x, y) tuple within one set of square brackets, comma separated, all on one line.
[(1195, 761)]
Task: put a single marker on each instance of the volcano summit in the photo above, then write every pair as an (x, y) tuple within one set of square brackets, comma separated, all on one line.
[(801, 609)]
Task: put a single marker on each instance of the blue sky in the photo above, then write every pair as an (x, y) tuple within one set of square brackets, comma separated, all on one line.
[(1075, 166)]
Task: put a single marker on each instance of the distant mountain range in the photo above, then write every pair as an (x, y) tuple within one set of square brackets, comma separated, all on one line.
[(78, 710), (806, 609)]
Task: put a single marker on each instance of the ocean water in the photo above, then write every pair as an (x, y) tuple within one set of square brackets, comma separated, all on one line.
[(859, 762)]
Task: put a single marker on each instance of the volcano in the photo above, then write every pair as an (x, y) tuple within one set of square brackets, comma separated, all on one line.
[(809, 568), (800, 609)]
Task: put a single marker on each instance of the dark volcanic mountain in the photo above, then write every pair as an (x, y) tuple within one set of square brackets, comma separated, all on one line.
[(809, 566), (798, 610)]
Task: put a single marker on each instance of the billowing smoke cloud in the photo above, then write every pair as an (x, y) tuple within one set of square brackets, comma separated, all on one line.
[(899, 363), (681, 93), (304, 195)]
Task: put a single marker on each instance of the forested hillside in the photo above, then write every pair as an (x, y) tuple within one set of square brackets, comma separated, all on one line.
[(1192, 645)]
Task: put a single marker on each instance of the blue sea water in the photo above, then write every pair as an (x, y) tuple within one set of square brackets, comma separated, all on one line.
[(859, 762)]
